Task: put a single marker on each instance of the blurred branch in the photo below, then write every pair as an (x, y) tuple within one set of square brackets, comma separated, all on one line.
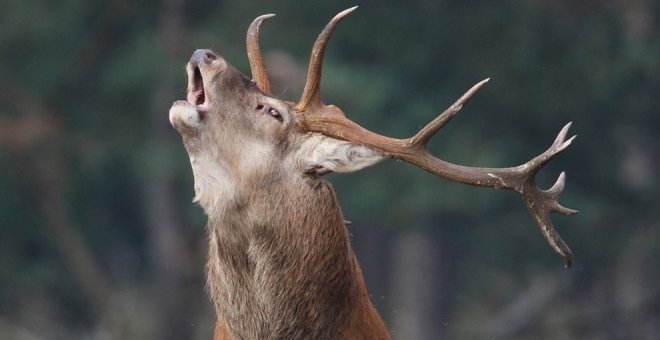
[(17, 332), (19, 134), (167, 245), (528, 307), (637, 18), (85, 56), (30, 138), (51, 203)]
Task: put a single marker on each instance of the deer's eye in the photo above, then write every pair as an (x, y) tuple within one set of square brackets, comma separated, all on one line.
[(275, 114), (270, 111)]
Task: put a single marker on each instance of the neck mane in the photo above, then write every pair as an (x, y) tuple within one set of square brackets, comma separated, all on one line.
[(280, 265)]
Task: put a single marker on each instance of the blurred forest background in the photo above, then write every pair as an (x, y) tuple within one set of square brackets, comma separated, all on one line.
[(99, 238)]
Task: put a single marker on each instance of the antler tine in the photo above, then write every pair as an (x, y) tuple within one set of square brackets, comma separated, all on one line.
[(422, 137), (311, 96), (521, 179), (540, 204), (257, 66)]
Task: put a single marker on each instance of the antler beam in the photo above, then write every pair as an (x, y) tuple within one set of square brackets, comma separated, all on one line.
[(413, 150), (330, 121)]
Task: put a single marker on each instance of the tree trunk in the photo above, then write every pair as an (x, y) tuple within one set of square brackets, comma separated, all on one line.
[(167, 245), (416, 287)]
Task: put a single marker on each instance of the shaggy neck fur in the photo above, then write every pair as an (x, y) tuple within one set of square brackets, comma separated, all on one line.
[(280, 264)]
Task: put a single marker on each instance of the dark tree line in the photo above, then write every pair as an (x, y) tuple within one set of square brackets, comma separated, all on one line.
[(99, 239)]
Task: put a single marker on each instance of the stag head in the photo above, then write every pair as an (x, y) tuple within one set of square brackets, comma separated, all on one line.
[(241, 138)]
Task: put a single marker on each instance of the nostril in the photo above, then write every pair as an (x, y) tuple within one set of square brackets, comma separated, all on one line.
[(203, 57), (210, 56)]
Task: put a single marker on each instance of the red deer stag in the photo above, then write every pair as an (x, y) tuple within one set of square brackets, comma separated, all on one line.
[(280, 265)]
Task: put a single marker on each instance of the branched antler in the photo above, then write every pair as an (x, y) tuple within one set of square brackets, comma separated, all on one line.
[(330, 121)]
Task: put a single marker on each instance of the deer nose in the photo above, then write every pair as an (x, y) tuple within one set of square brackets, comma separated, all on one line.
[(203, 57)]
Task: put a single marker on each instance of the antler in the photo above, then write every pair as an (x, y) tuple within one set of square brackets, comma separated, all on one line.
[(521, 179), (311, 97), (257, 66)]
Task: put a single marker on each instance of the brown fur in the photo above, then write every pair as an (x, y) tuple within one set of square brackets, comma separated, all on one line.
[(280, 265)]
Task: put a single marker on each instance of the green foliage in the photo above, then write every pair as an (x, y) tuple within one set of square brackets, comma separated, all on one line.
[(106, 73)]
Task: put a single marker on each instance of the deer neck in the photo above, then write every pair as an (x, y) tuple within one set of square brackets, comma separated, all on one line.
[(280, 263)]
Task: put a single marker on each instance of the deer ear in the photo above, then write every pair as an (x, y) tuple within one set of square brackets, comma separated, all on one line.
[(321, 152)]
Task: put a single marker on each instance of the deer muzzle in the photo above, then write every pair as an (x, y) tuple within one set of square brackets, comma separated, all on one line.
[(202, 61)]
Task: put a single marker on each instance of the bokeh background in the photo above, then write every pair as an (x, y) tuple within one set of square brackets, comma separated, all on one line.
[(99, 238)]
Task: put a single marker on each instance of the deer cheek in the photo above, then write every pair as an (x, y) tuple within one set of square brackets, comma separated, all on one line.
[(273, 129)]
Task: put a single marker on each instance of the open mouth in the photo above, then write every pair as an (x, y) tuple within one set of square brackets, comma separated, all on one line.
[(197, 96)]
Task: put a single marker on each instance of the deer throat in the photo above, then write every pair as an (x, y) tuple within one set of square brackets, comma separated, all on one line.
[(285, 278)]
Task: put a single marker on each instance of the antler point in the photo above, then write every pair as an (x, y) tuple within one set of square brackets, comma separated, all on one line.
[(345, 12), (565, 211), (568, 142), (569, 262)]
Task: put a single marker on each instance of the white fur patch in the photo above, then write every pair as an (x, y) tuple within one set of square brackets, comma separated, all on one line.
[(184, 113), (336, 155), (218, 178), (214, 185)]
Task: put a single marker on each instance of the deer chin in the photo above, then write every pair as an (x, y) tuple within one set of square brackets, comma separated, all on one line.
[(184, 116)]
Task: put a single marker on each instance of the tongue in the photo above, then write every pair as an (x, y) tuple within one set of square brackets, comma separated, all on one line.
[(199, 96), (196, 97)]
